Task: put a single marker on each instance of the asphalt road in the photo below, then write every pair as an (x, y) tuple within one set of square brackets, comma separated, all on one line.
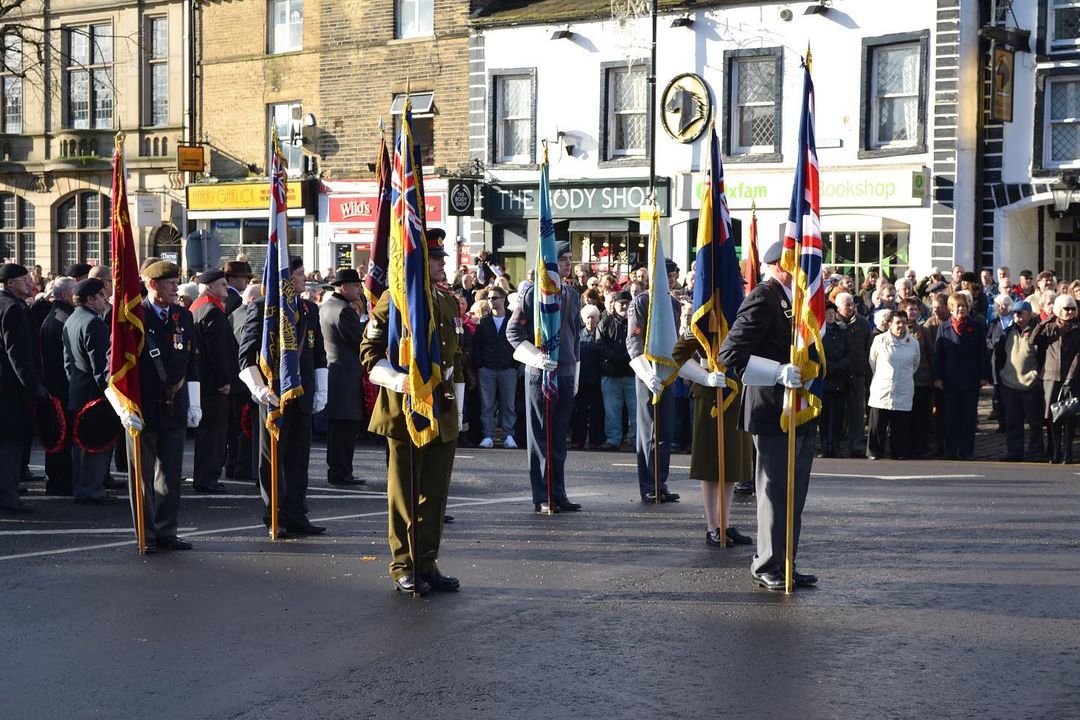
[(946, 590)]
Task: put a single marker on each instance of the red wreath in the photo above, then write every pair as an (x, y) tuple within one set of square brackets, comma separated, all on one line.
[(61, 420), (80, 416), (245, 420)]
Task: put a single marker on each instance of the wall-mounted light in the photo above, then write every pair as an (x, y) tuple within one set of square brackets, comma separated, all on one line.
[(682, 22), (1063, 192), (562, 34), (820, 9)]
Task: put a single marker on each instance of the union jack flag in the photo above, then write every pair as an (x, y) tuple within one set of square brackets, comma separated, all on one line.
[(803, 258)]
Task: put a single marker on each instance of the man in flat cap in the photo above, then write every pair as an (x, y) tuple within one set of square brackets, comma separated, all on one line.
[(342, 333), (521, 334), (237, 277), (218, 369), (757, 350), (86, 361), (294, 441), (171, 402), (434, 461), (20, 385), (54, 377), (653, 441)]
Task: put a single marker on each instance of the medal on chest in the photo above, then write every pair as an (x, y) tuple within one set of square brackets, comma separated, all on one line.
[(178, 341)]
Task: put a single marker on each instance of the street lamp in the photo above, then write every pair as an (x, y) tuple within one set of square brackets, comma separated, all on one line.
[(1062, 191)]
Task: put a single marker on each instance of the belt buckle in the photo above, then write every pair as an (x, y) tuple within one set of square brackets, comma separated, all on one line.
[(155, 353)]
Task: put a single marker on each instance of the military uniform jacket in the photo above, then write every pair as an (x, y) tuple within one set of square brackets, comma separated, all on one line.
[(521, 329), (309, 345), (86, 341), (18, 373), (174, 337), (762, 327), (53, 374), (342, 333), (233, 300), (637, 315), (218, 351), (388, 416)]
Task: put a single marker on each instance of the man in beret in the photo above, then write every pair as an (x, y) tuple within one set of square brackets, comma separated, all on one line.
[(78, 271), (237, 277), (521, 333), (653, 440), (294, 441), (757, 349), (431, 463), (342, 333), (171, 403), (86, 361), (218, 369), (58, 472), (20, 385)]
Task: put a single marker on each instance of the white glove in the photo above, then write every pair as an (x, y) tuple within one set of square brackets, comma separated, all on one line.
[(459, 395), (260, 393), (321, 382), (694, 372), (644, 370), (194, 411), (384, 375), (789, 375), (577, 377), (528, 353), (129, 420)]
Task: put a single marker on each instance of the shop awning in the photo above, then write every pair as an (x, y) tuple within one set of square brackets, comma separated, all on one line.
[(600, 225), (852, 222)]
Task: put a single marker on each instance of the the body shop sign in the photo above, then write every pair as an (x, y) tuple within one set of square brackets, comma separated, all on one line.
[(616, 198), (840, 188), (362, 209)]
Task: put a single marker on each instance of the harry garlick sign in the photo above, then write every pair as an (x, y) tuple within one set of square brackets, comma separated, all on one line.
[(612, 198)]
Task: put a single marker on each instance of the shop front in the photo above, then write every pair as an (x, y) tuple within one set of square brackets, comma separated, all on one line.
[(870, 217), (348, 212), (236, 216), (600, 219)]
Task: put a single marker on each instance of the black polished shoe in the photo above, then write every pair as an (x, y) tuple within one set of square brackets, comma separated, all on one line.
[(172, 543), (772, 580), (567, 506), (447, 519), (346, 482), (543, 508), (712, 537), (304, 528), (439, 582), (218, 489), (405, 584), (805, 579), (744, 488), (737, 538), (665, 497)]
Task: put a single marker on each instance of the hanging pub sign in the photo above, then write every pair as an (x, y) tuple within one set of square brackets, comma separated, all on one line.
[(190, 158), (1001, 101), (461, 197)]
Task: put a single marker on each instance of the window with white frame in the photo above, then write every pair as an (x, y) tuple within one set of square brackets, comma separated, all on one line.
[(415, 18), (626, 121), (286, 26), (83, 230), (88, 73), (753, 105), (11, 85), (423, 123), (1063, 25), (285, 117), (894, 96), (1062, 142), (157, 70), (514, 119), (16, 230)]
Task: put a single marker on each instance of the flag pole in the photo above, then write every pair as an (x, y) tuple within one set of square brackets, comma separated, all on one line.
[(721, 474), (414, 555), (140, 513), (547, 452), (792, 396), (274, 474), (656, 448)]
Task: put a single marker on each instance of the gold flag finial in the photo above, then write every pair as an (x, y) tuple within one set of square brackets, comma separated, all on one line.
[(809, 57)]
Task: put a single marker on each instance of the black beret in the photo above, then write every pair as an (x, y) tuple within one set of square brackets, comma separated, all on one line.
[(670, 265), (77, 270), (88, 288), (162, 270), (11, 271), (210, 276), (348, 275), (561, 249), (296, 263), (624, 295), (1025, 273)]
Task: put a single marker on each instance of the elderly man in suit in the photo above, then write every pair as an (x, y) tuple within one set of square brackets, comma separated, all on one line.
[(342, 333), (757, 349), (218, 370), (58, 464)]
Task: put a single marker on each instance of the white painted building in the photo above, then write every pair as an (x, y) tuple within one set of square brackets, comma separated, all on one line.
[(896, 104)]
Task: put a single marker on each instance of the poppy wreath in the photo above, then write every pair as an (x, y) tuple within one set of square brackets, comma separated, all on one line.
[(97, 427), (50, 424)]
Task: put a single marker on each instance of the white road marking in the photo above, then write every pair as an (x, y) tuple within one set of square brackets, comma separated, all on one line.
[(634, 465), (895, 477), (81, 531)]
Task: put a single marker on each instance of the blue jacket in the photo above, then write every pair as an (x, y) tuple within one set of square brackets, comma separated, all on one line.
[(589, 350), (962, 360)]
